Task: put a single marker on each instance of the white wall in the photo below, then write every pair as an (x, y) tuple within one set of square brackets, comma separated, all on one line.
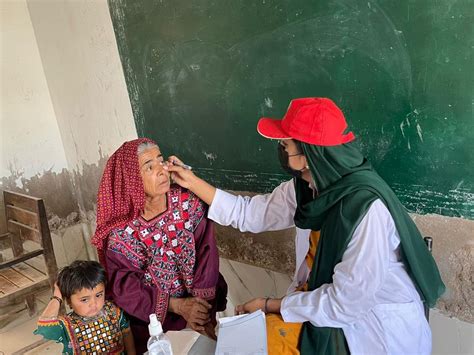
[(85, 78), (30, 140), (64, 109)]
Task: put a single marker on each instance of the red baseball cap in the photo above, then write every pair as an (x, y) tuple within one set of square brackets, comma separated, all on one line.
[(313, 120)]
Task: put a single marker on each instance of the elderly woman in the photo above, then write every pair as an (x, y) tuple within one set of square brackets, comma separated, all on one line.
[(157, 245)]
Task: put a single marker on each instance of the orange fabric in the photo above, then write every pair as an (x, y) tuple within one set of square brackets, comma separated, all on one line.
[(282, 337), (313, 246)]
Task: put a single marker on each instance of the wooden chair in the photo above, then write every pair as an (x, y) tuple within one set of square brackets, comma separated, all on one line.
[(26, 272)]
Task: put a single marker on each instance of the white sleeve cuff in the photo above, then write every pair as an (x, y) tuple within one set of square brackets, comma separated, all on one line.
[(286, 309)]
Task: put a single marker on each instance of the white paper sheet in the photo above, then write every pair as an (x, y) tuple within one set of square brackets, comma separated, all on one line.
[(242, 335)]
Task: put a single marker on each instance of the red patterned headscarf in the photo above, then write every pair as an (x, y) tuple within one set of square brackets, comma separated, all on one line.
[(121, 196)]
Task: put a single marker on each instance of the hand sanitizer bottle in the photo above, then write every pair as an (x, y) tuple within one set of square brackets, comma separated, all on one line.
[(159, 343)]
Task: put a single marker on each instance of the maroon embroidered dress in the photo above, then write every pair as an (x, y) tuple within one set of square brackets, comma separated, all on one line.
[(172, 255)]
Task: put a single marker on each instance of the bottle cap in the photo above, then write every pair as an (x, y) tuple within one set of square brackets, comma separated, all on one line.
[(154, 327)]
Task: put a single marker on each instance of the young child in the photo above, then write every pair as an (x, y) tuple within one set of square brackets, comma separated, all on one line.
[(95, 326)]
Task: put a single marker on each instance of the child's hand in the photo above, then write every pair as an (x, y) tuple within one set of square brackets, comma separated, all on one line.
[(54, 306), (56, 291)]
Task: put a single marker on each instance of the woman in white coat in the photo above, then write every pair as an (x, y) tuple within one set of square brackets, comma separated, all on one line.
[(362, 269)]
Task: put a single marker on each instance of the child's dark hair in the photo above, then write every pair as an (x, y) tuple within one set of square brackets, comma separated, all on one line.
[(80, 274)]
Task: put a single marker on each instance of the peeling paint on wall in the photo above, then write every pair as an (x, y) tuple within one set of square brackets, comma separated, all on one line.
[(460, 297), (55, 189), (69, 197), (86, 183), (270, 250)]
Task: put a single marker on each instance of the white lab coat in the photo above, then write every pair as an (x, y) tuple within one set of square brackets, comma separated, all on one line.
[(372, 298)]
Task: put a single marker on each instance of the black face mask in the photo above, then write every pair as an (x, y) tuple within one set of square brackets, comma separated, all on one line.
[(284, 162)]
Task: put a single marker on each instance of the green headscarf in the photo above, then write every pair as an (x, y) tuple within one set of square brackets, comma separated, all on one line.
[(347, 185)]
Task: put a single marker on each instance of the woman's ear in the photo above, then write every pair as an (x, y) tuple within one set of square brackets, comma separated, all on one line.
[(305, 162)]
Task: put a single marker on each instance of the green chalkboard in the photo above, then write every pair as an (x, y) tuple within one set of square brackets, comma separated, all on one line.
[(201, 73)]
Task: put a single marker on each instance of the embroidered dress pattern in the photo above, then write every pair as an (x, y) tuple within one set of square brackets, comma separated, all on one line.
[(205, 293), (164, 247)]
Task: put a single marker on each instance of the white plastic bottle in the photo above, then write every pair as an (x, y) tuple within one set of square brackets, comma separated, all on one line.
[(159, 343)]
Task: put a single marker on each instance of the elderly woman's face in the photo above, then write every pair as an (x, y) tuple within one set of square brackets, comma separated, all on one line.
[(156, 180)]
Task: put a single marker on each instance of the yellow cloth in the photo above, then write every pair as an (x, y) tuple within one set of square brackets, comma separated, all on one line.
[(282, 337), (313, 246)]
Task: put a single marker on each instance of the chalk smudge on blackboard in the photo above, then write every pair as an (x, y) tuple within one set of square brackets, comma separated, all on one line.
[(210, 156), (268, 102), (402, 124), (419, 131)]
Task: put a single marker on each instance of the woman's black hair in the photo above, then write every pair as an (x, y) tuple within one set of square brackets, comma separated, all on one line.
[(80, 274), (284, 159)]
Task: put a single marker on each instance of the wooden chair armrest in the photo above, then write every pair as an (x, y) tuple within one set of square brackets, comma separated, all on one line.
[(21, 258)]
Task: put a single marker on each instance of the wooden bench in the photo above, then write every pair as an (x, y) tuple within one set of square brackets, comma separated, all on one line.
[(26, 272)]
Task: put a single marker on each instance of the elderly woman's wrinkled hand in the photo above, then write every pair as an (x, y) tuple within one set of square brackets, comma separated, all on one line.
[(195, 311), (183, 177)]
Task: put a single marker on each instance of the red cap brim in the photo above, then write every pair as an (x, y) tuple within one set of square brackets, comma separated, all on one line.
[(271, 128)]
